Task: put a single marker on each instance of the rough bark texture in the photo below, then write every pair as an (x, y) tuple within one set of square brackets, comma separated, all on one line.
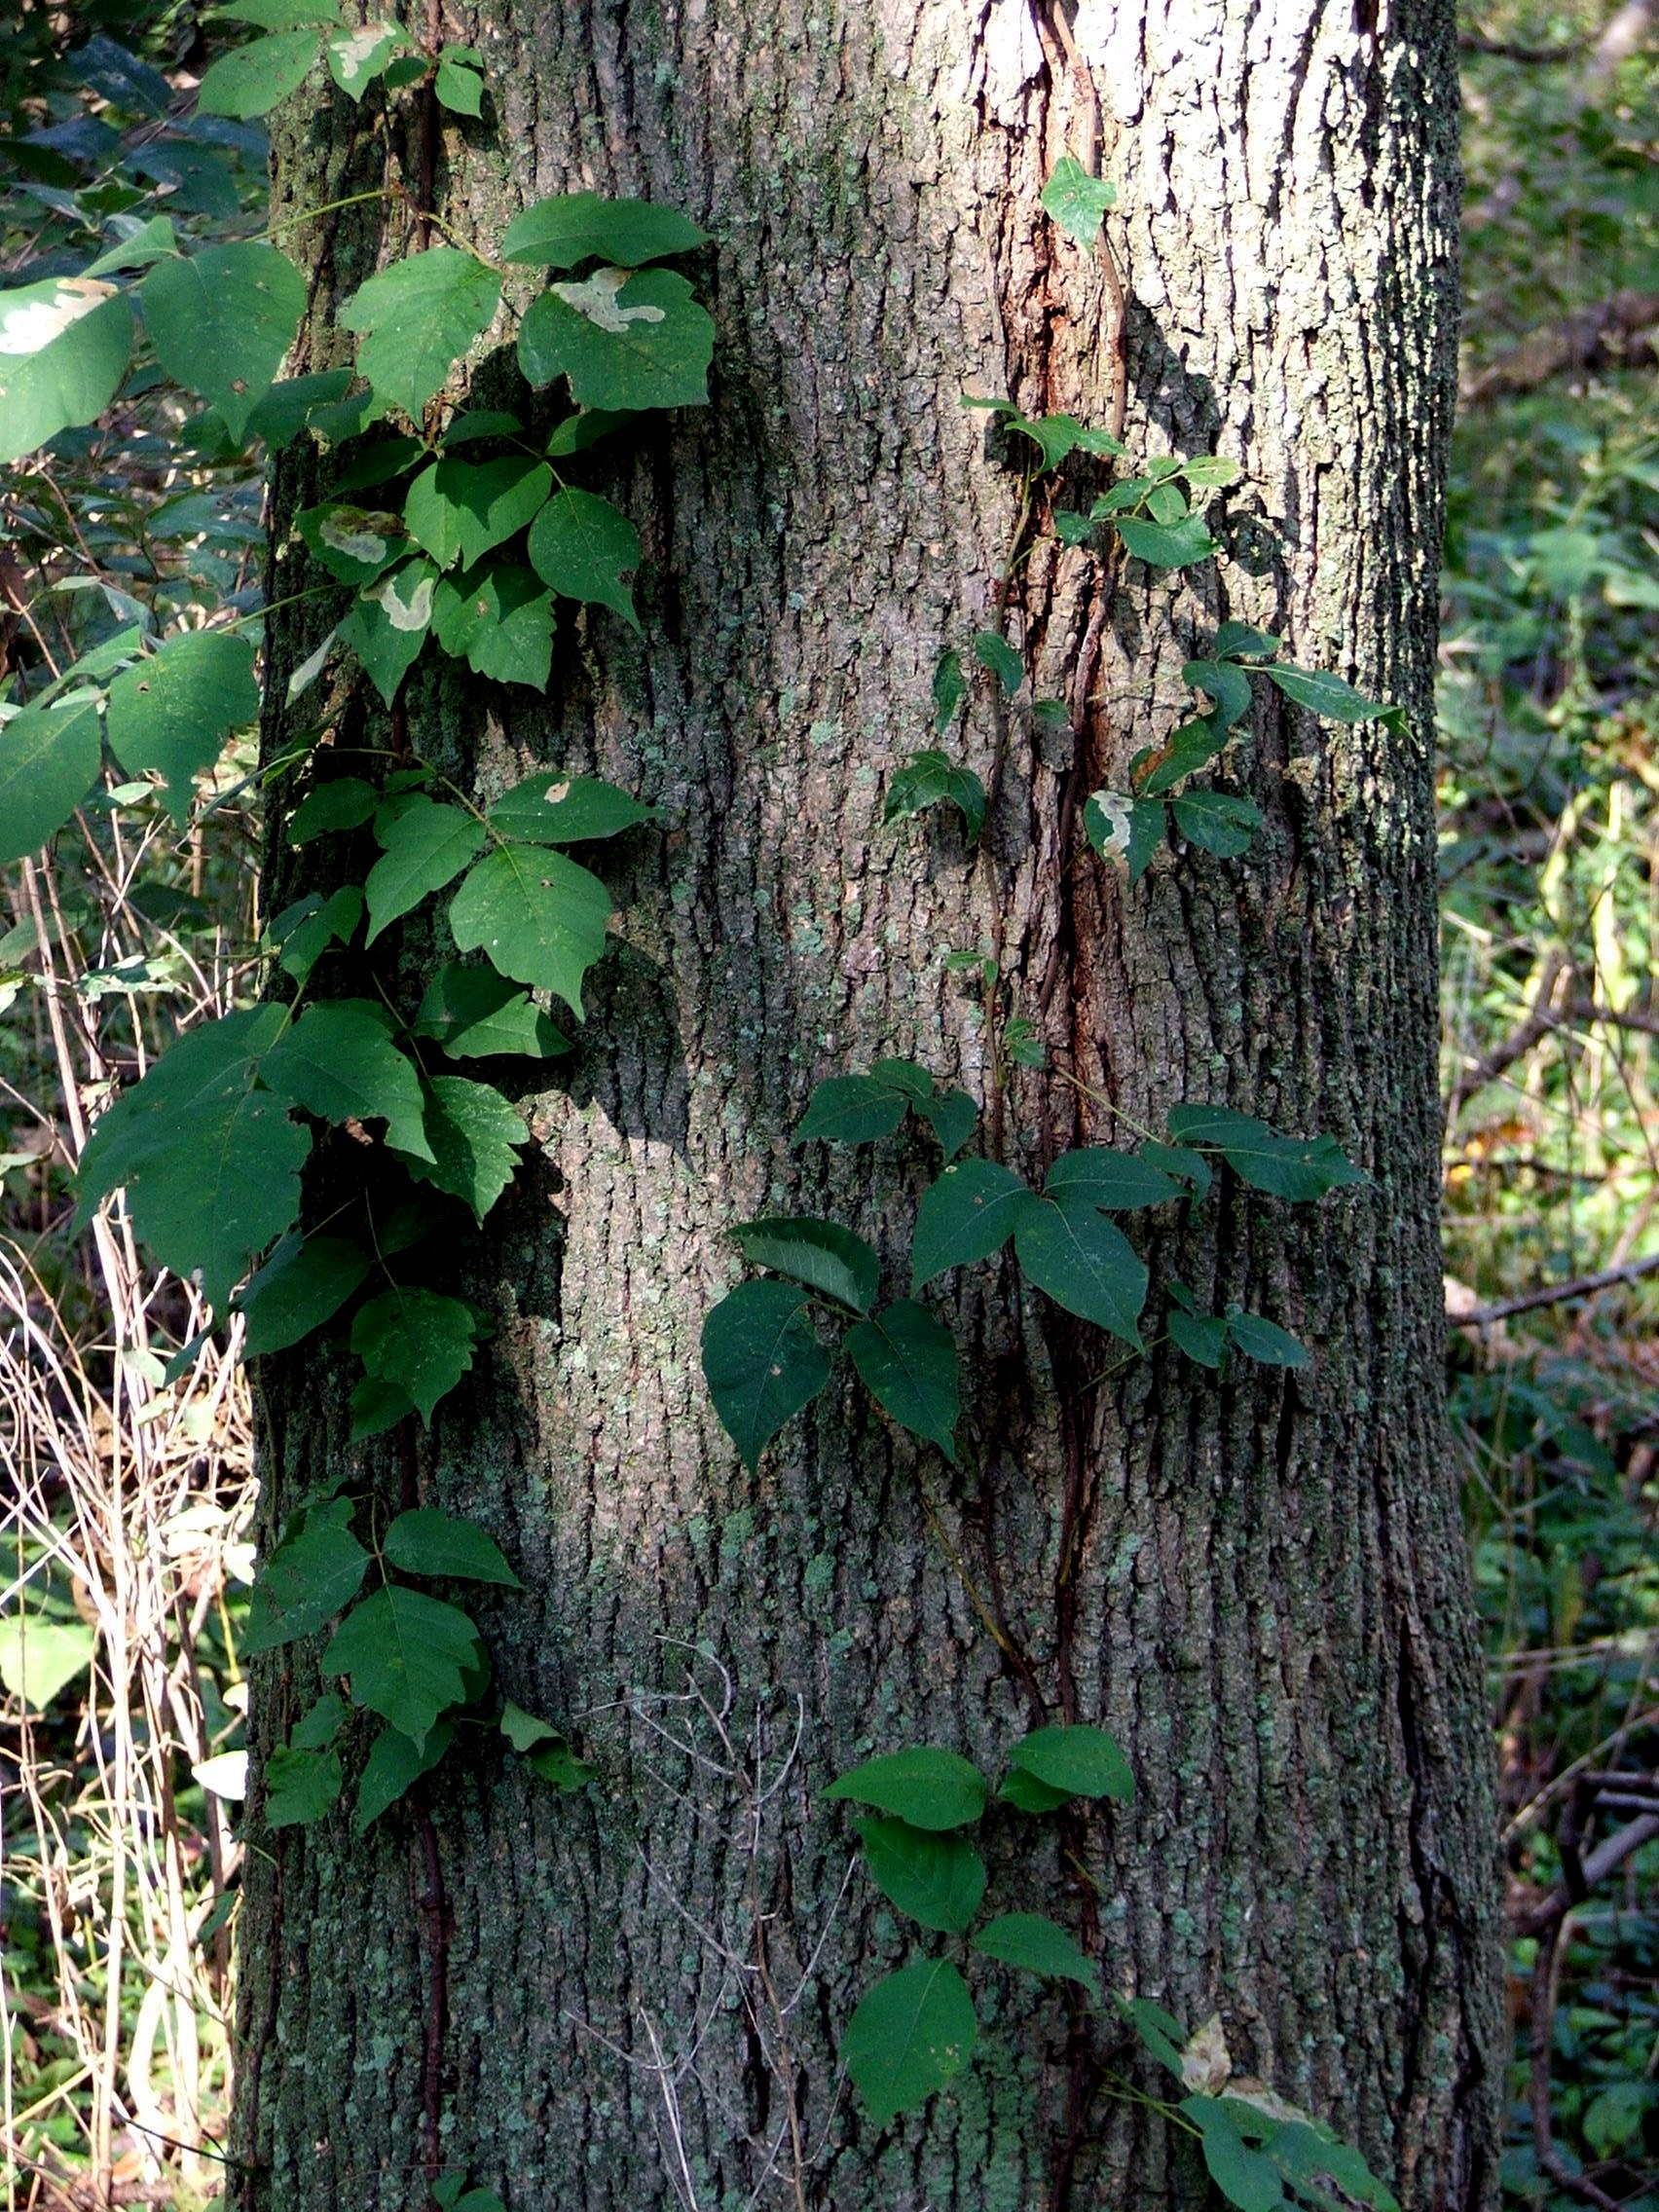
[(1259, 1587)]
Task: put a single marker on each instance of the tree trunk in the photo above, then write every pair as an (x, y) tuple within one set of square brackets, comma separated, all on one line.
[(1259, 1587)]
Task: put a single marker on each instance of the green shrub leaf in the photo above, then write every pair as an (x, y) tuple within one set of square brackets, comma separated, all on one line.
[(850, 1109), (169, 715), (417, 318), (581, 545), (425, 842), (937, 1878), (930, 1788), (1298, 1169), (48, 761), (909, 2035), (418, 1341), (762, 1362), (64, 346), (312, 1574), (575, 227), (908, 1362), (1115, 1182)]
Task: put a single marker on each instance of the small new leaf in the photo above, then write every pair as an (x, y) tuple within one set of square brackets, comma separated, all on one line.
[(929, 778), (1076, 200)]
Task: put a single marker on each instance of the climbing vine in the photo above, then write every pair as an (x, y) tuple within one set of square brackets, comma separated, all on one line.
[(458, 529)]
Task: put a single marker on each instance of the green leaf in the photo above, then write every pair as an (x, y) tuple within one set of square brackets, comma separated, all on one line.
[(586, 427), (523, 1730), (1060, 435), (551, 809), (1217, 823), (762, 1362), (284, 410), (418, 317), (1192, 747), (1265, 1341), (171, 714), (1038, 1945), (221, 321), (253, 79), (1084, 1262), (209, 1164), (312, 1576), (387, 625), (929, 1788), (395, 1764), (909, 2035), (345, 803), (1227, 687), (425, 842), (278, 14), (949, 689), (1203, 1337), (850, 1109), (952, 1116), (301, 1285), (936, 1879), (967, 1215), (356, 544), (464, 508), (459, 89), (1076, 200), (996, 653), (557, 1764), (1298, 1169), (1326, 696), (1077, 1759), (1125, 830), (1309, 2156), (316, 1729), (500, 619), (1168, 545), (356, 56), (574, 226), (64, 346), (908, 1362), (541, 919), (1113, 1181), (407, 1657), (623, 340), (928, 778), (424, 1541), (338, 1063), (1158, 2032), (300, 1786), (477, 1014), (419, 1340), (820, 1254), (1026, 1794), (1242, 2176), (580, 545), (305, 935), (474, 1135), (1235, 641), (48, 761), (38, 1657), (480, 423), (1212, 470)]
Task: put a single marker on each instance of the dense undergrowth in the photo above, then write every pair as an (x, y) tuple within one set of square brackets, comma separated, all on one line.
[(124, 1442)]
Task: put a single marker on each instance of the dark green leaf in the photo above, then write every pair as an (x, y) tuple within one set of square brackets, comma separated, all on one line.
[(316, 1729), (424, 1541), (300, 1786), (1326, 696), (908, 1362), (967, 1215), (1084, 1262), (64, 346), (557, 1764), (761, 1361), (624, 342), (850, 1109), (1076, 200), (1243, 641), (459, 89), (338, 1063), (575, 227), (1217, 823), (541, 919), (928, 778), (938, 1879), (418, 317), (1307, 2153), (1203, 1337), (253, 79), (407, 1655), (1081, 1759), (586, 427), (301, 1285), (949, 689), (474, 1135), (1036, 1945), (581, 545), (500, 619), (1113, 1181), (1192, 747), (820, 1254), (1298, 1169), (480, 423), (313, 1574), (464, 508), (395, 1764), (1168, 545), (281, 413), (994, 652), (1265, 1341), (1227, 687), (952, 1116), (474, 1014), (1026, 1794), (221, 320), (1158, 2032), (418, 1341), (306, 935), (48, 761), (929, 1788), (909, 2035), (1242, 2176), (1060, 435), (169, 715), (425, 842), (1191, 1167), (346, 804), (553, 809)]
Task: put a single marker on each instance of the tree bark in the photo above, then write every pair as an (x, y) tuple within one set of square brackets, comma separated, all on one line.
[(1259, 1586)]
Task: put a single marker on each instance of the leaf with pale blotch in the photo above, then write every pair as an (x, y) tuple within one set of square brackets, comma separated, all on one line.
[(221, 320), (355, 545), (64, 346), (553, 809), (387, 625), (1205, 2062), (623, 340), (425, 842), (541, 919), (356, 56)]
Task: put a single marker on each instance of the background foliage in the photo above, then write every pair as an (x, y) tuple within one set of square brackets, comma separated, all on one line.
[(123, 1440)]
